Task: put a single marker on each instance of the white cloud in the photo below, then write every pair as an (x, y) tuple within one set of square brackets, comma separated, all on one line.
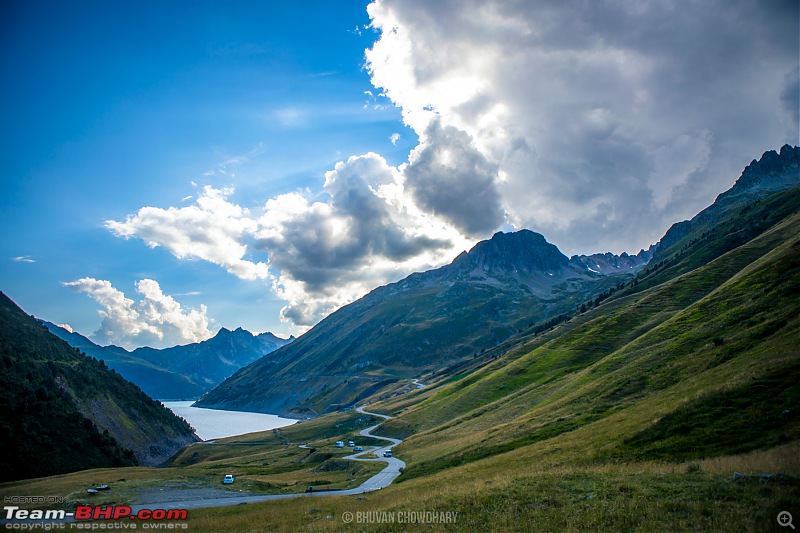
[(213, 229), (23, 259), (156, 320), (607, 121), (394, 137), (66, 327)]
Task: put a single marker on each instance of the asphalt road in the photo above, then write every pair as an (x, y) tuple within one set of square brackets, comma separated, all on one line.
[(380, 480), (385, 477)]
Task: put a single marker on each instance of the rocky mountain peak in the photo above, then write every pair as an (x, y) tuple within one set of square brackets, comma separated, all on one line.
[(773, 172), (522, 250), (225, 333)]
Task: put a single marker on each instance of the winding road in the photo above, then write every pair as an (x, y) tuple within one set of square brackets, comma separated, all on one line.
[(385, 477), (380, 480)]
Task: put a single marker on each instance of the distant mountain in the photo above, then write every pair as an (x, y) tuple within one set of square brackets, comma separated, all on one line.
[(62, 411), (425, 323), (609, 263), (775, 171), (154, 380), (211, 361), (181, 372)]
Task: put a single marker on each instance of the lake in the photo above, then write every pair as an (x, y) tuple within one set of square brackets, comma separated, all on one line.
[(215, 424)]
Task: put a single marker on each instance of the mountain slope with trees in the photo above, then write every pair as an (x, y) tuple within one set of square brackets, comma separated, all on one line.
[(62, 411)]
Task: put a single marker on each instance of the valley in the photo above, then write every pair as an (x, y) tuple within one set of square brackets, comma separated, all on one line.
[(559, 393)]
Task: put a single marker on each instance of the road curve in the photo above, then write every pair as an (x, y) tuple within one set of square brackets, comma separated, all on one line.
[(385, 477), (380, 480)]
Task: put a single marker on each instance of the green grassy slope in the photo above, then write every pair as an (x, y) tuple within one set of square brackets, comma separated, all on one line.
[(692, 339)]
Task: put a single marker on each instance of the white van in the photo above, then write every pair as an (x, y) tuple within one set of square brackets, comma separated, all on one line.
[(339, 444)]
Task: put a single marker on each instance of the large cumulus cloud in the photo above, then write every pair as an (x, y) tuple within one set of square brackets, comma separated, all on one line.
[(606, 120), (327, 253)]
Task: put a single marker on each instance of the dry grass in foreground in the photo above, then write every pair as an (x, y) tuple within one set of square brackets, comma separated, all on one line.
[(648, 496)]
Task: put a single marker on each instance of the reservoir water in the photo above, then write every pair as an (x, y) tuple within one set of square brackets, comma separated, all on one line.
[(215, 424)]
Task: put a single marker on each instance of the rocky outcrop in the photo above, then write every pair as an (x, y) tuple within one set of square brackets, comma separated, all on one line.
[(775, 171), (608, 263)]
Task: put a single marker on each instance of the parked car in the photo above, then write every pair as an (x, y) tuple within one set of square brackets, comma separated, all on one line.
[(358, 449), (339, 444), (228, 479), (351, 444), (387, 453)]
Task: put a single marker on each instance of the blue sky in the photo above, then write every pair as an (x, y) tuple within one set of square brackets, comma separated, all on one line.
[(110, 106), (174, 167)]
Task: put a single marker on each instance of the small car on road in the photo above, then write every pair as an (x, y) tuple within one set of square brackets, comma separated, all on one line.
[(228, 479)]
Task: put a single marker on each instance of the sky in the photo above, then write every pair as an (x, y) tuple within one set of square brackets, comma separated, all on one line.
[(171, 168)]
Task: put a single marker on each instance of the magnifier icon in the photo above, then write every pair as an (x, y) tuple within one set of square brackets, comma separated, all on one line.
[(785, 519)]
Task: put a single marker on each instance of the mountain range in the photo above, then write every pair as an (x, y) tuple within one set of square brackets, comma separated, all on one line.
[(181, 372), (442, 322), (427, 322)]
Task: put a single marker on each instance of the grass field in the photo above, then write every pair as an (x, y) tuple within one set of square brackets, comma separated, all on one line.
[(512, 494), (263, 463)]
